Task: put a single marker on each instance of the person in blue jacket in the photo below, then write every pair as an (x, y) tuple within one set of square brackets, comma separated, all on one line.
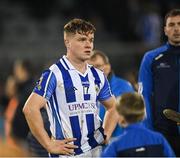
[(137, 140), (118, 85), (159, 82)]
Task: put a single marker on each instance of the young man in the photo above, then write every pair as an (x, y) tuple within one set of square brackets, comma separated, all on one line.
[(117, 84), (136, 141), (70, 90), (159, 80)]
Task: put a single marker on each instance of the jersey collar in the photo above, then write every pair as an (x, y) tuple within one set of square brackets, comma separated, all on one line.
[(69, 66)]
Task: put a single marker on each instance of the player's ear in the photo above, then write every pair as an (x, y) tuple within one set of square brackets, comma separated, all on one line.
[(165, 30), (121, 121), (107, 69), (66, 39), (66, 42)]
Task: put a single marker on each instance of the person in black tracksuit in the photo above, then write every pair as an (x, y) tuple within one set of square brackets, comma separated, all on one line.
[(23, 75), (159, 82), (20, 130), (137, 140)]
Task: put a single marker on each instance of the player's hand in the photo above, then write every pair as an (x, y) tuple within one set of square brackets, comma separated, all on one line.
[(106, 141), (64, 147)]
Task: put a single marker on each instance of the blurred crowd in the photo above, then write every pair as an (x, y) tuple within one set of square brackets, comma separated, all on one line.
[(18, 86), (124, 18), (126, 29)]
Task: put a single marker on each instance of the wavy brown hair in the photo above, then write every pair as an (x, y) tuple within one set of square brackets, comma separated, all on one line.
[(79, 26)]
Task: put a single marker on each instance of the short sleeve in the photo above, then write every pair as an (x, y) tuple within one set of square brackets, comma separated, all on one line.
[(46, 85), (105, 92)]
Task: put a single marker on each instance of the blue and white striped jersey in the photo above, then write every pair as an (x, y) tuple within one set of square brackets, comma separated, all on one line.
[(72, 102)]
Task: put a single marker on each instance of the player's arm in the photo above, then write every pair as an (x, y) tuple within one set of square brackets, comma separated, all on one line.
[(33, 116), (41, 94), (110, 118), (167, 150), (145, 88)]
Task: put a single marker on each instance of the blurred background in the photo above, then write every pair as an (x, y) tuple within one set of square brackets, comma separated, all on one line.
[(33, 30)]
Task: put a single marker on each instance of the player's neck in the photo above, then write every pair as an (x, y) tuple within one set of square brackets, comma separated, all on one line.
[(81, 66)]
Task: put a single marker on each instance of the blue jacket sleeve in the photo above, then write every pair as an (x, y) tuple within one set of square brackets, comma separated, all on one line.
[(120, 86), (145, 87), (168, 152)]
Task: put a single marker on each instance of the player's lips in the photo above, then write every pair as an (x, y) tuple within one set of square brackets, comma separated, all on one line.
[(87, 51)]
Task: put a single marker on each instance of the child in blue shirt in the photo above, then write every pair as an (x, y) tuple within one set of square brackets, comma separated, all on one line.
[(136, 141)]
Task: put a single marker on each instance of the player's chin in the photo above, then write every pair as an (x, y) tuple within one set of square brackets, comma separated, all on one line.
[(176, 41), (87, 56)]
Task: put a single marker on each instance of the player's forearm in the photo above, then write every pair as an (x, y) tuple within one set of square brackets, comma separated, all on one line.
[(35, 122), (110, 121)]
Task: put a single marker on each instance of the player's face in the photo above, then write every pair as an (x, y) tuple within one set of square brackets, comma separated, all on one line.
[(172, 30), (99, 63), (81, 45)]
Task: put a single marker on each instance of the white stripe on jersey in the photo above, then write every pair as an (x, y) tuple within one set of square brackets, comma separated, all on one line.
[(51, 119), (47, 84), (65, 124)]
